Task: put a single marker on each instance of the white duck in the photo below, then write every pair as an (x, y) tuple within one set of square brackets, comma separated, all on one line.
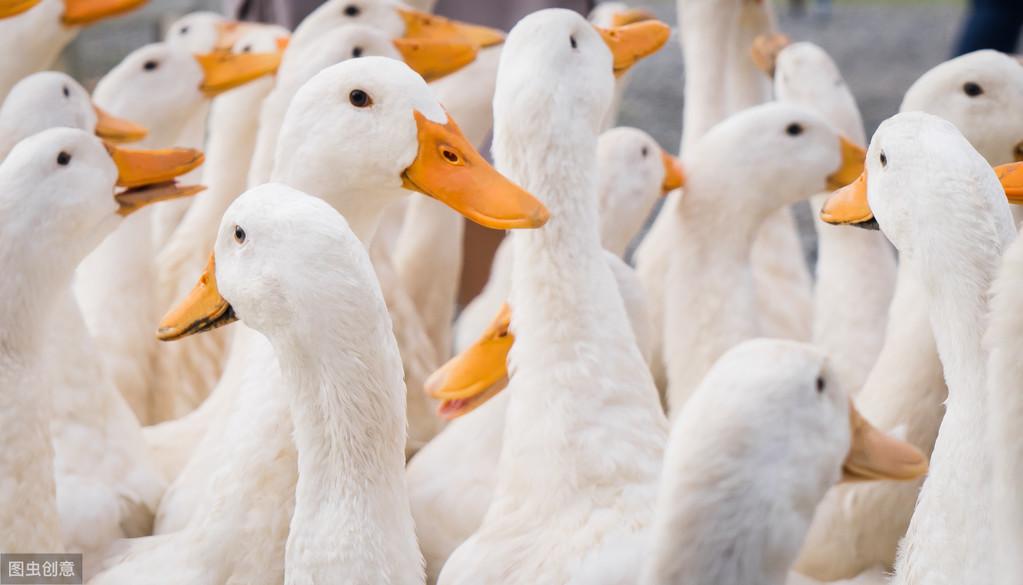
[(1003, 341), (342, 375), (762, 439), (52, 99), (58, 204), (571, 331), (777, 154), (938, 201), (161, 88), (859, 526), (610, 15), (34, 32), (249, 495)]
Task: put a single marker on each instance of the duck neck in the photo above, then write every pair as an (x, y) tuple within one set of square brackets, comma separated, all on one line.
[(348, 409)]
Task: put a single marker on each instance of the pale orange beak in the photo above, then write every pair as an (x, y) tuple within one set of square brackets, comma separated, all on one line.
[(202, 310), (631, 16), (765, 51), (853, 159), (113, 129), (149, 175), (632, 42), (449, 169), (420, 25), (82, 12), (874, 455), (1011, 177), (849, 205), (224, 71), (674, 176), (228, 33), (477, 374), (9, 8), (433, 59)]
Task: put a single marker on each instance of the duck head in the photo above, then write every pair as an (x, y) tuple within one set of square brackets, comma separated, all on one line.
[(921, 171), (204, 32), (51, 99), (364, 132), (980, 93)]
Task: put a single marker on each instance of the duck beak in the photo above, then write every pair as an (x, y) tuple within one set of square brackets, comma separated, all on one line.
[(674, 176), (632, 42), (434, 59), (9, 8), (849, 205), (202, 310), (450, 170), (875, 455), (81, 12), (477, 374), (228, 33), (149, 175), (1011, 177), (853, 158), (631, 16), (420, 25), (224, 71), (118, 130), (765, 51)]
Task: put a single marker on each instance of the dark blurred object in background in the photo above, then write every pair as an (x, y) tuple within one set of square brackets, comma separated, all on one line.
[(504, 13), (287, 13), (991, 24)]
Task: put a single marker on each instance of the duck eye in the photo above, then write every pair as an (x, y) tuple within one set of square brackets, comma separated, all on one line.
[(67, 92), (63, 158), (450, 155), (571, 40), (352, 10), (183, 30), (356, 52), (972, 89), (150, 65), (645, 151), (794, 129), (884, 160), (820, 384), (360, 99), (239, 234), (247, 49)]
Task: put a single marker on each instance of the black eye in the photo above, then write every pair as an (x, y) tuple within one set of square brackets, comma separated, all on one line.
[(356, 52), (247, 49), (183, 30), (884, 160), (794, 129), (150, 65), (972, 89), (67, 92), (63, 158), (820, 384), (359, 98), (645, 151), (571, 40), (352, 10), (239, 234)]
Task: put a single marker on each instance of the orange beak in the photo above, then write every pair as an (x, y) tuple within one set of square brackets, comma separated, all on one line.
[(477, 374), (449, 169), (149, 175), (1011, 177), (849, 205), (765, 51), (434, 59), (420, 25), (853, 158), (632, 42), (202, 310), (224, 71), (9, 8), (674, 176), (82, 12), (113, 129), (874, 455)]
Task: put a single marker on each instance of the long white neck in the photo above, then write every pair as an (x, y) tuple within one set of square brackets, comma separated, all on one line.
[(575, 358), (32, 41), (28, 499), (352, 519), (954, 502)]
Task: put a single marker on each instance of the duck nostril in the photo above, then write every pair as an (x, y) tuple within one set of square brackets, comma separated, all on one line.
[(451, 155)]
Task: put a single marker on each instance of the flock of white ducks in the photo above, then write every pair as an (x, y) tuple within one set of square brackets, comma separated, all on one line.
[(714, 416)]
